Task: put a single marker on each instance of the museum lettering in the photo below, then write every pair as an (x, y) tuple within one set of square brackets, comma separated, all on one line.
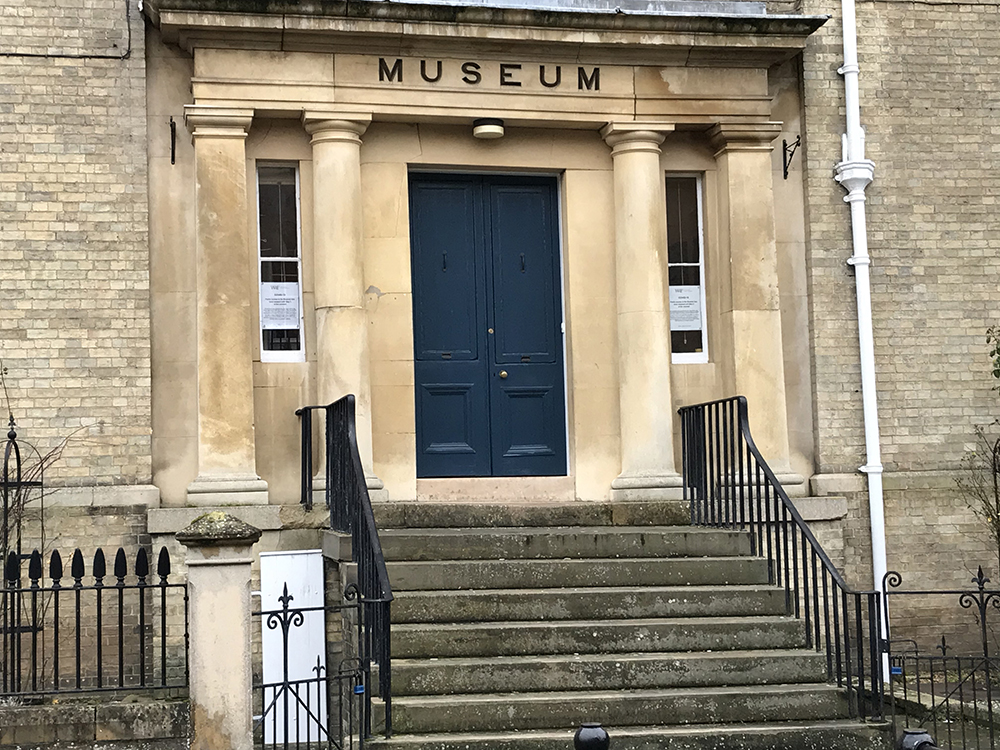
[(513, 75)]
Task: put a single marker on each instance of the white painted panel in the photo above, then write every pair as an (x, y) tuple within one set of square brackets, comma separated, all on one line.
[(302, 572)]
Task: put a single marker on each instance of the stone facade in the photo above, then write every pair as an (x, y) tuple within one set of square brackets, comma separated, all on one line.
[(103, 287)]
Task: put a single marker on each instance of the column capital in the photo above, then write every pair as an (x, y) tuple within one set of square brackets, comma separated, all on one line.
[(207, 121), (336, 126), (743, 136), (632, 136)]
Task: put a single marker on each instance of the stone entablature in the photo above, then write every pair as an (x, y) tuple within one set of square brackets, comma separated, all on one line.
[(418, 61)]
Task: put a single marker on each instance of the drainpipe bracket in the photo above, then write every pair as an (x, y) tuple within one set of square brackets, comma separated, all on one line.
[(848, 68), (871, 468)]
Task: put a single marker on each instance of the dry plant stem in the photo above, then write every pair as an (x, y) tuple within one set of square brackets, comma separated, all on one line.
[(981, 485), (980, 482)]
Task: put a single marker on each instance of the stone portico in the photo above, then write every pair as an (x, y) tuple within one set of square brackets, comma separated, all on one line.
[(609, 106)]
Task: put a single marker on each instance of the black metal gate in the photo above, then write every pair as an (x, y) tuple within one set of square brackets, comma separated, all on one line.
[(326, 709), (948, 690)]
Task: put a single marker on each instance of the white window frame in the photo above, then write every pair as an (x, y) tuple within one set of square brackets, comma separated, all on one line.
[(280, 355), (693, 358)]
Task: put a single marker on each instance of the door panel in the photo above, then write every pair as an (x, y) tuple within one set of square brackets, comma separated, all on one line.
[(528, 428), (450, 367), (525, 273), (447, 270), (487, 317)]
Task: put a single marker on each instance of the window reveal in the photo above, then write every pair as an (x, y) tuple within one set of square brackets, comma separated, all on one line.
[(280, 264), (686, 270)]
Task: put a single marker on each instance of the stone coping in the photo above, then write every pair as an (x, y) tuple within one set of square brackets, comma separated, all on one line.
[(218, 528), (711, 35), (172, 520), (95, 721)]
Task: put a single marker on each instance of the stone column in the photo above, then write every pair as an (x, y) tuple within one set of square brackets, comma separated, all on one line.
[(743, 153), (338, 243), (227, 471), (220, 681), (647, 410)]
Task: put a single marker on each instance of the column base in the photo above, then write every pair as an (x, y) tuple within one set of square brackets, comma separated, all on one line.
[(795, 485), (227, 489), (647, 487), (376, 489)]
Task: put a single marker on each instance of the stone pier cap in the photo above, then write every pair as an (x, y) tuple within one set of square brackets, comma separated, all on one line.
[(218, 529)]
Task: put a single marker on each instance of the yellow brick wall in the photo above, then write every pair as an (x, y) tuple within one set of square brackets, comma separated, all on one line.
[(929, 94), (74, 289)]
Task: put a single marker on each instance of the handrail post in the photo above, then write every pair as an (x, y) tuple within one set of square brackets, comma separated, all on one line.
[(306, 468), (351, 513)]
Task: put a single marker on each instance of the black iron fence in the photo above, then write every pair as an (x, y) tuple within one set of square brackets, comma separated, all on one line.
[(21, 486), (729, 485), (950, 691), (310, 698), (96, 633), (346, 494)]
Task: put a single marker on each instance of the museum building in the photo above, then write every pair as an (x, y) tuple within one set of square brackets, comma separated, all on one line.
[(521, 236)]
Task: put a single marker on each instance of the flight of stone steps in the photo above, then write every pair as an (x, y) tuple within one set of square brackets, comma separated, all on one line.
[(512, 625)]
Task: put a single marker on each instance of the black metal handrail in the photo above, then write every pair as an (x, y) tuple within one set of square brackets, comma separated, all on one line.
[(729, 485), (346, 494)]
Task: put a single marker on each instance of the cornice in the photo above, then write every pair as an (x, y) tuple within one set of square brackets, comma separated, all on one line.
[(743, 136), (206, 121), (410, 28)]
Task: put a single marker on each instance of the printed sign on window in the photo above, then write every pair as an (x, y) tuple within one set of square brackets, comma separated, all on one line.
[(685, 308), (279, 305)]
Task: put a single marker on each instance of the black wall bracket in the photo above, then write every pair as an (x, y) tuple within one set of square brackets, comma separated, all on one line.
[(787, 152), (173, 141)]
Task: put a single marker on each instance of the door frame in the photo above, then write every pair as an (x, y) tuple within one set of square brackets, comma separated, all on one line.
[(557, 175)]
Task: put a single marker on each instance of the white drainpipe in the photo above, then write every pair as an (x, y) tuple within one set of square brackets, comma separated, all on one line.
[(855, 173)]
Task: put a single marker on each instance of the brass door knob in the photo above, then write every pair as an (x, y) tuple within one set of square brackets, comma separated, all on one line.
[(503, 374)]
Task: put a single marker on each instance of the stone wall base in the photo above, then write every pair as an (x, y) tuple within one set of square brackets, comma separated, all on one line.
[(142, 725)]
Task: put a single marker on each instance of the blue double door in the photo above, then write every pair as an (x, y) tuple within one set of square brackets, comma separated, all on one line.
[(487, 322)]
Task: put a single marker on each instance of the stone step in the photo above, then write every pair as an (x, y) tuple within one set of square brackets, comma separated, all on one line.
[(498, 574), (561, 542), (498, 712), (510, 674), (808, 735), (428, 640), (420, 514), (614, 603)]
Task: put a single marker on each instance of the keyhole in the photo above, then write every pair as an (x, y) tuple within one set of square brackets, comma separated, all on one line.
[(522, 262)]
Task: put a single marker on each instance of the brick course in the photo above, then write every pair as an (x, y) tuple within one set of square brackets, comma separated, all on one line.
[(74, 282)]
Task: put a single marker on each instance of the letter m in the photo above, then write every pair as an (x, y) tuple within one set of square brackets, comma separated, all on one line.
[(395, 73), (591, 82)]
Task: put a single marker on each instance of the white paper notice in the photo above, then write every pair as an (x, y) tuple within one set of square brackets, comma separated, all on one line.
[(279, 305), (685, 308)]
